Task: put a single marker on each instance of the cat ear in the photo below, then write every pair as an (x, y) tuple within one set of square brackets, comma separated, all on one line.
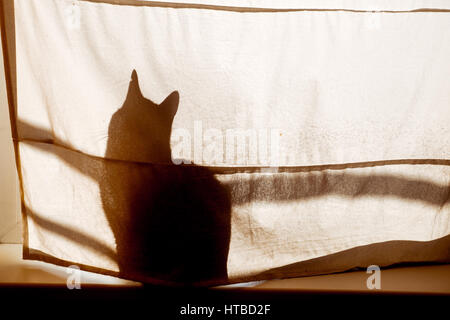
[(170, 105), (134, 76), (134, 91)]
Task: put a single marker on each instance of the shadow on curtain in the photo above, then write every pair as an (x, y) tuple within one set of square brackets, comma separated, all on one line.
[(170, 222), (174, 222)]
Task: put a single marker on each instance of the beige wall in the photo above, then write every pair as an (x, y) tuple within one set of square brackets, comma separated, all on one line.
[(10, 219)]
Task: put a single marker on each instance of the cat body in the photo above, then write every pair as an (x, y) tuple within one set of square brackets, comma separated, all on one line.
[(170, 222)]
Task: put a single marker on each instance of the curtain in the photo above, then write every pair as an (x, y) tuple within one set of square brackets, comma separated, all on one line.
[(206, 144)]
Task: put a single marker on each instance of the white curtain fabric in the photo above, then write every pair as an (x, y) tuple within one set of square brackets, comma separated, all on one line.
[(303, 134)]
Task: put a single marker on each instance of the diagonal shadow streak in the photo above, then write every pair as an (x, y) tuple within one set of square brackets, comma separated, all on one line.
[(351, 185), (71, 234)]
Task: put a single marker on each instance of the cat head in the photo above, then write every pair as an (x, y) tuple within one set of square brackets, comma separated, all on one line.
[(140, 130)]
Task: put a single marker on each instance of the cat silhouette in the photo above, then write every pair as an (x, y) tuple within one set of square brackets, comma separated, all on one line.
[(140, 130), (170, 222)]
